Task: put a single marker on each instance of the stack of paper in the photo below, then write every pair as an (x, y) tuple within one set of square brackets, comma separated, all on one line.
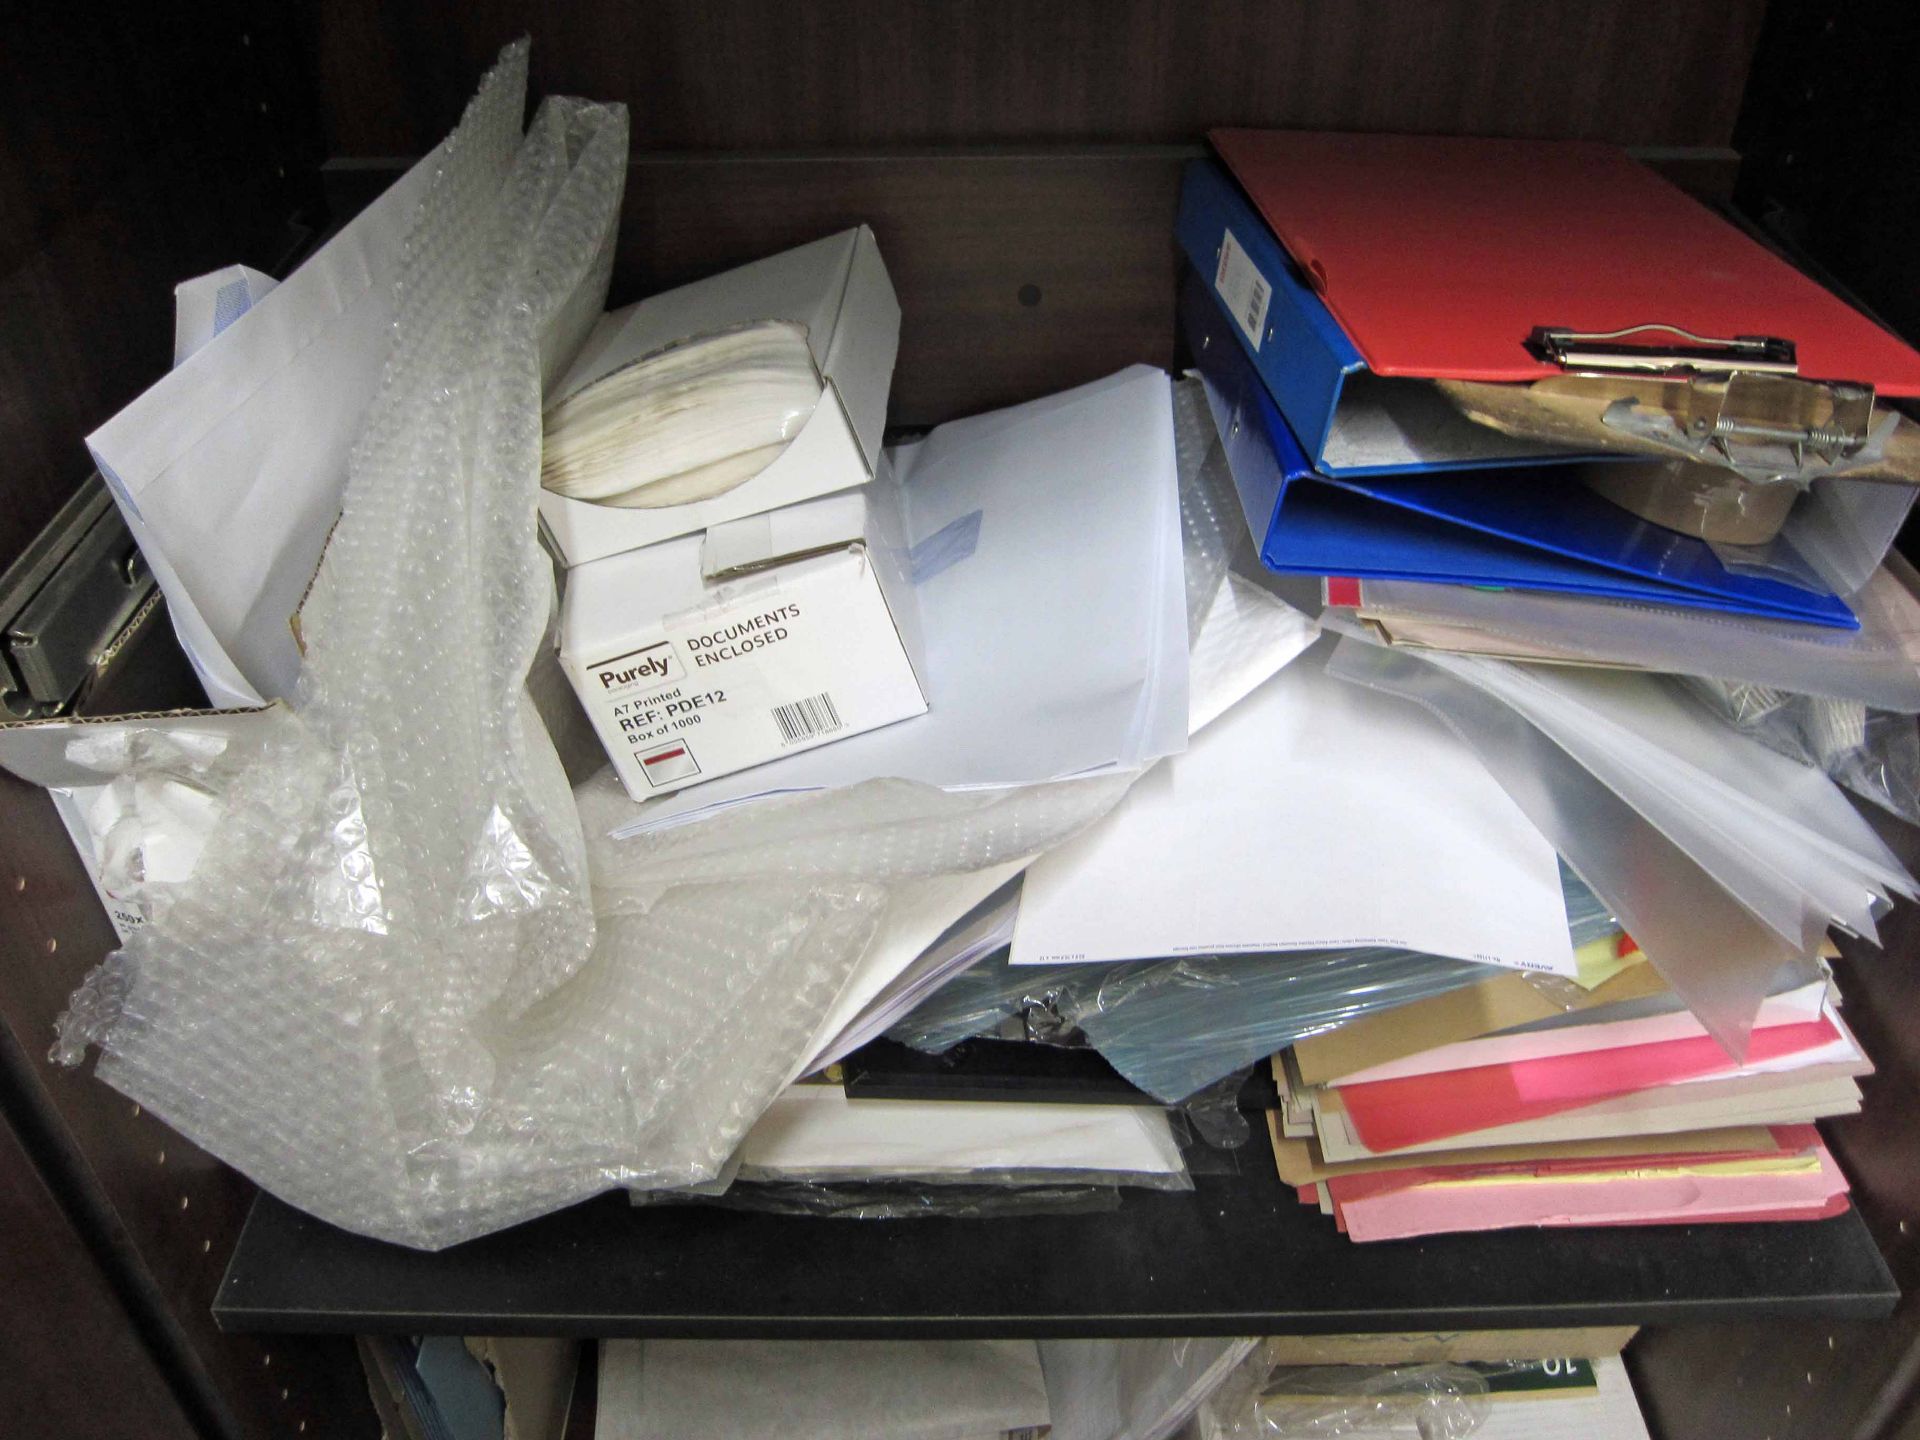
[(1315, 816), (1604, 1410), (1490, 1109), (936, 929), (1559, 618)]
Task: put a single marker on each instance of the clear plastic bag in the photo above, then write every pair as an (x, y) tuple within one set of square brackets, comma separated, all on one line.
[(1261, 1401), (149, 824), (1213, 534), (398, 869), (1843, 529), (1172, 1027), (1779, 837), (1874, 753), (1144, 1389), (1589, 918), (1879, 664), (1717, 957)]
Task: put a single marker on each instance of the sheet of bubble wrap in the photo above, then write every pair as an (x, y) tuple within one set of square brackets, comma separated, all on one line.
[(385, 993), (399, 871)]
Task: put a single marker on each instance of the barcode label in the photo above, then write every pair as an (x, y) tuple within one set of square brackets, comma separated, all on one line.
[(1254, 316), (804, 719), (1242, 288)]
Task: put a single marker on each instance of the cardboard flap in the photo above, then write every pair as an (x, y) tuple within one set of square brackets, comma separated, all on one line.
[(36, 750), (866, 342), (737, 547), (805, 286)]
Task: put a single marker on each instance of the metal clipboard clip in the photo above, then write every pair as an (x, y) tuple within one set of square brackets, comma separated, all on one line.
[(1742, 399), (1733, 432), (1613, 350)]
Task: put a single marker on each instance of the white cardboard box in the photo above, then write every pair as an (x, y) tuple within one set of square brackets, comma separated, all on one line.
[(771, 634), (838, 289)]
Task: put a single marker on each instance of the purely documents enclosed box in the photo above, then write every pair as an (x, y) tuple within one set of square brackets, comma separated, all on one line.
[(768, 635)]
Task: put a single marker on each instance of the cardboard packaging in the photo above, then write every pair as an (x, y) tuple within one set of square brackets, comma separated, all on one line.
[(837, 288), (769, 634)]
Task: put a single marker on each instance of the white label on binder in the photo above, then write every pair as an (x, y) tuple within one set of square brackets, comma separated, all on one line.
[(1242, 288)]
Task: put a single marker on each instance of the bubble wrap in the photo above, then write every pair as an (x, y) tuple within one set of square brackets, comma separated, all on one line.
[(401, 990), (399, 873)]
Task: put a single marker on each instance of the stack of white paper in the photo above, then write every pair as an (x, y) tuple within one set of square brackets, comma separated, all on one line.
[(230, 470), (982, 930), (1244, 639), (1047, 553), (1315, 816)]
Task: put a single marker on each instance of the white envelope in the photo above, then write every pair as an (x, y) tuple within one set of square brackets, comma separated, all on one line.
[(230, 469), (1047, 551), (1314, 816), (207, 304), (975, 935), (815, 1131)]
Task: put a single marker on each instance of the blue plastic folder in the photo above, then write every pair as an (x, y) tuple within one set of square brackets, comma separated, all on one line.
[(1350, 421), (1529, 528)]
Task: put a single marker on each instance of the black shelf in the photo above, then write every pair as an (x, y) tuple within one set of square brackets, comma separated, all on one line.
[(1237, 1255)]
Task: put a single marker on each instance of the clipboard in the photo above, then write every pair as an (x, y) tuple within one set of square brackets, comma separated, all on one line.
[(1440, 256)]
